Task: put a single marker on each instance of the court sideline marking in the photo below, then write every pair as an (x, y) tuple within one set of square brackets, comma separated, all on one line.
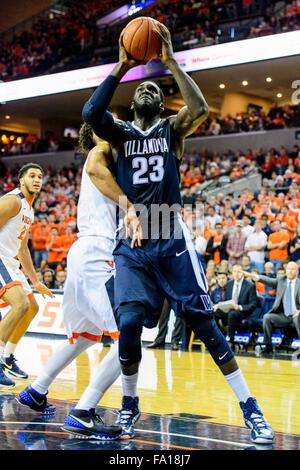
[(199, 438)]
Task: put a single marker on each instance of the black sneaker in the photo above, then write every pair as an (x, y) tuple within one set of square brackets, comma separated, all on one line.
[(5, 382), (88, 425), (10, 365), (35, 401), (128, 416)]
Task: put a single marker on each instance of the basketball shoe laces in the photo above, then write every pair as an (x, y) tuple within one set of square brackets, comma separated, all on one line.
[(125, 418), (254, 414), (96, 417)]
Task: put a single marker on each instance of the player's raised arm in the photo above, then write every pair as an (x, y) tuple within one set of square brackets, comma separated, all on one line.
[(196, 109), (95, 109), (98, 167)]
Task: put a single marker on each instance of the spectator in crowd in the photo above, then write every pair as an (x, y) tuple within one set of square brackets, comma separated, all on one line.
[(39, 236), (266, 293), (265, 225), (58, 42), (246, 263), (286, 309), (218, 294), (295, 247), (244, 298), (247, 228), (48, 278), (200, 245), (216, 245), (255, 247), (278, 242), (236, 245), (212, 217), (60, 279), (55, 248)]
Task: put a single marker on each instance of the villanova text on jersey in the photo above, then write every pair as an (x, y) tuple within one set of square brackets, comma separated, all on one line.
[(147, 170)]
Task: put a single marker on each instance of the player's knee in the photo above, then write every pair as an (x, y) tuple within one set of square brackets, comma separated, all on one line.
[(34, 308), (130, 317), (129, 369), (207, 330), (22, 307)]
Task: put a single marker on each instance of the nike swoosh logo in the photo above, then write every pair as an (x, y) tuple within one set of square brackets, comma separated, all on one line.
[(222, 357), (89, 424), (181, 253), (124, 359), (7, 366), (38, 403)]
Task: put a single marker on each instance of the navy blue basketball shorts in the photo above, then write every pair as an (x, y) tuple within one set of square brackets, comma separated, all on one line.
[(150, 273)]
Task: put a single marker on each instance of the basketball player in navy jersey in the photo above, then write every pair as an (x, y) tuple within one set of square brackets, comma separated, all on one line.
[(147, 158)]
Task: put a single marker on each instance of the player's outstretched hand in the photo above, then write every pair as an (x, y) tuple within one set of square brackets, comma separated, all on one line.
[(167, 53), (42, 289), (133, 228), (125, 58)]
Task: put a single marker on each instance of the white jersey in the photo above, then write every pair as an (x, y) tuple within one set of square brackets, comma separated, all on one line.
[(13, 232), (96, 213)]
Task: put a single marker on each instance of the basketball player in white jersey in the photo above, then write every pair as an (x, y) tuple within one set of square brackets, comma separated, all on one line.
[(16, 217), (88, 294)]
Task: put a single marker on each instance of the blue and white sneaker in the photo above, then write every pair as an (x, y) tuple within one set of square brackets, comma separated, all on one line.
[(261, 431), (85, 424), (35, 401), (128, 415), (11, 366), (5, 382)]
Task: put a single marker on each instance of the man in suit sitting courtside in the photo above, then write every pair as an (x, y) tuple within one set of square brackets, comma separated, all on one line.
[(286, 308), (244, 297)]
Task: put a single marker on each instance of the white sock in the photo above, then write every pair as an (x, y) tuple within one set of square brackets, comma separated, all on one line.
[(238, 384), (62, 357), (9, 349), (129, 384), (2, 347), (107, 373)]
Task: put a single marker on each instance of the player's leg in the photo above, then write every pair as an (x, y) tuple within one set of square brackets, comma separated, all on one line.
[(191, 300), (8, 359), (131, 317), (207, 330), (136, 295), (15, 296), (79, 420), (34, 396)]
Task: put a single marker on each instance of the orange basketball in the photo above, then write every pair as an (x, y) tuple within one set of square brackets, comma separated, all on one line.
[(139, 39)]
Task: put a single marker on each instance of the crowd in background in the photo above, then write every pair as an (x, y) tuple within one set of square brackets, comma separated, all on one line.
[(257, 232), (221, 224), (72, 39), (277, 118), (11, 144)]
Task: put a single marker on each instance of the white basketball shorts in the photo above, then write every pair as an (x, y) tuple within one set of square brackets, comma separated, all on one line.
[(11, 275), (88, 293)]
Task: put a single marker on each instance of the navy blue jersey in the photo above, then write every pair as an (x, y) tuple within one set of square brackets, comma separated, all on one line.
[(147, 170)]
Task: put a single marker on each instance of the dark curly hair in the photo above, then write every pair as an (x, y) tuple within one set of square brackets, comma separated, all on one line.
[(86, 138)]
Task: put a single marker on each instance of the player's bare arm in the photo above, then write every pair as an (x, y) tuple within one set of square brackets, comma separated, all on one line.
[(28, 268), (98, 168), (9, 207), (196, 110)]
